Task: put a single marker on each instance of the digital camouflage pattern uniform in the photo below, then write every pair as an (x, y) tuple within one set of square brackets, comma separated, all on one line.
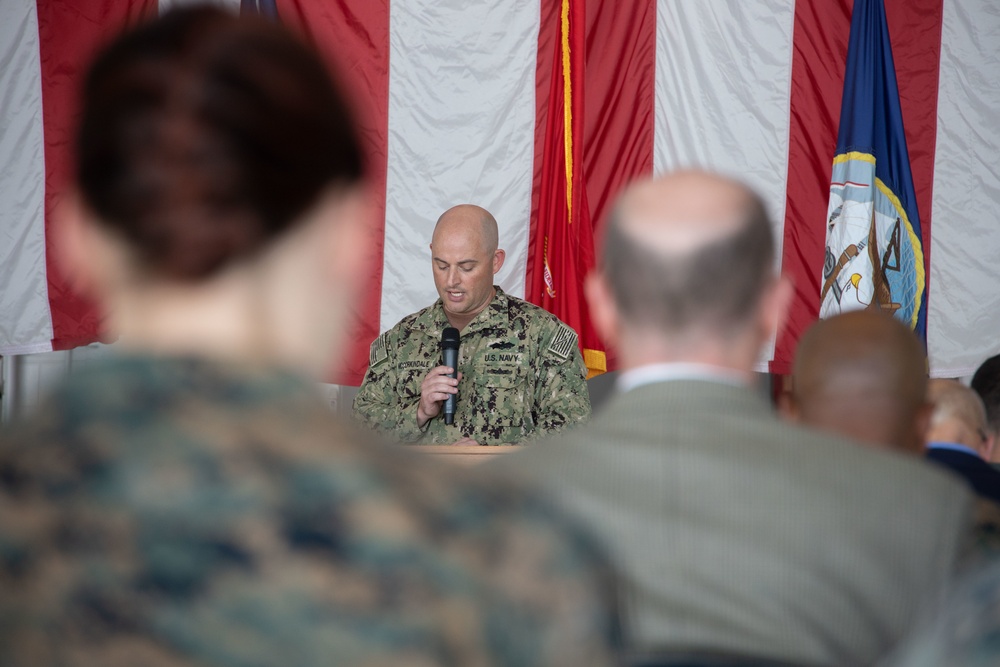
[(184, 512), (963, 630), (522, 376)]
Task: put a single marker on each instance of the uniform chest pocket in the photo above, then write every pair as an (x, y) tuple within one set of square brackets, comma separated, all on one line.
[(502, 393), (410, 378)]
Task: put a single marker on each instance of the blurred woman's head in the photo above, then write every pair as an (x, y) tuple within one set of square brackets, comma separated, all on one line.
[(207, 144), (204, 136)]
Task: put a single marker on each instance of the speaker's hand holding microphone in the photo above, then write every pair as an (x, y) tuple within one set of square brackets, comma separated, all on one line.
[(440, 386)]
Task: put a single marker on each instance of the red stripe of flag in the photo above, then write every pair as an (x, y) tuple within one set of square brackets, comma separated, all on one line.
[(620, 103), (915, 30), (70, 32), (619, 99)]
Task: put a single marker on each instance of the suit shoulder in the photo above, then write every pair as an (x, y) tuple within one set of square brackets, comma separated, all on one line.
[(891, 471)]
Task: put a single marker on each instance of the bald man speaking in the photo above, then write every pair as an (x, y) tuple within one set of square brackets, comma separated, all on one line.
[(520, 372)]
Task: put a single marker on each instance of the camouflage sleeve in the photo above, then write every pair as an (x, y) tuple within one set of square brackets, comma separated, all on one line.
[(561, 397), (982, 544), (377, 404), (545, 564)]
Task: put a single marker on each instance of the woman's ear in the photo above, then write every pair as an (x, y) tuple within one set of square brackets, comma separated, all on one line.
[(350, 236), (75, 246)]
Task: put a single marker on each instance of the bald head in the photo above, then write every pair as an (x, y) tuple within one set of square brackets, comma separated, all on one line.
[(862, 374), (959, 416), (684, 212), (688, 251), (470, 221), (464, 260)]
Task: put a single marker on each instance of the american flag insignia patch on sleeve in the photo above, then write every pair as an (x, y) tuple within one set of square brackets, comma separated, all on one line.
[(379, 350), (563, 342)]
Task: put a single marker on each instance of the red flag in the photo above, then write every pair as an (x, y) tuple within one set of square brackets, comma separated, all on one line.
[(562, 243)]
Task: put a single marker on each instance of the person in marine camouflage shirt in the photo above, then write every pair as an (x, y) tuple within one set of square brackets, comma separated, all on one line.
[(192, 501)]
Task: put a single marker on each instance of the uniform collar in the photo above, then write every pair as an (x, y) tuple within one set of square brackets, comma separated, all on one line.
[(494, 314)]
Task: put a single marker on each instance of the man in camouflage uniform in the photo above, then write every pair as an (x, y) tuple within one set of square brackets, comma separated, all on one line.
[(520, 370)]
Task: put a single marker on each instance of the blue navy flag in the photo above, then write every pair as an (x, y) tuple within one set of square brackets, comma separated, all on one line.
[(874, 252), (266, 8)]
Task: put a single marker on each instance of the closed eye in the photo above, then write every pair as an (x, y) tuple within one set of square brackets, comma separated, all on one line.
[(465, 266)]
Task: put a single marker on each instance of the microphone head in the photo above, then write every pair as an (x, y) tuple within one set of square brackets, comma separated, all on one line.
[(449, 339)]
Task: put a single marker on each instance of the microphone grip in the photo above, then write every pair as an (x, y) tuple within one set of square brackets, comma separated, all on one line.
[(450, 360)]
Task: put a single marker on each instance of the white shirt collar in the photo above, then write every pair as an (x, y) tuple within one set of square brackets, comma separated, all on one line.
[(666, 372)]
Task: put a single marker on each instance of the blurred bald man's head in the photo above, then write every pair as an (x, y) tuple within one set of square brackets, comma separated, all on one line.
[(689, 257), (862, 374), (686, 250), (959, 417)]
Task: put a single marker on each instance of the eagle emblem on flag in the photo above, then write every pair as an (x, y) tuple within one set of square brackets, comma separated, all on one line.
[(874, 254), (874, 259)]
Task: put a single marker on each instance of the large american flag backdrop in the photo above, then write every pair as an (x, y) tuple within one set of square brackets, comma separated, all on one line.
[(452, 97)]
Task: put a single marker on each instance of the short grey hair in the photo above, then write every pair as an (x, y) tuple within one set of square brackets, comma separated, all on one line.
[(718, 285)]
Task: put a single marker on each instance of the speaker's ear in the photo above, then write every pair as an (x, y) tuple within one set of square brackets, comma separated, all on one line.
[(498, 257)]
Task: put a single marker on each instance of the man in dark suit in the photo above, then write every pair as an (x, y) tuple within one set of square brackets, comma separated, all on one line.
[(958, 437), (733, 531)]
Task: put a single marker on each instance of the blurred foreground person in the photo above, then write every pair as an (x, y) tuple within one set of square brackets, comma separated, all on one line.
[(735, 533), (959, 438), (191, 502), (862, 375), (962, 632)]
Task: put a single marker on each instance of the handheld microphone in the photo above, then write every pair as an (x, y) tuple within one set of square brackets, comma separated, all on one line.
[(449, 354)]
